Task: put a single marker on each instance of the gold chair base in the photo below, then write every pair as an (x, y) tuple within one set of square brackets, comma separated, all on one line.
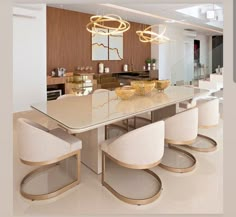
[(51, 194), (210, 149), (127, 199), (180, 170)]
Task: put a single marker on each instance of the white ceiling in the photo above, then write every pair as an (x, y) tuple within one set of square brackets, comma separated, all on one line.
[(148, 11)]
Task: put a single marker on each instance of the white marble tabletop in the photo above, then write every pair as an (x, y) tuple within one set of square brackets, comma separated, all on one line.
[(82, 113)]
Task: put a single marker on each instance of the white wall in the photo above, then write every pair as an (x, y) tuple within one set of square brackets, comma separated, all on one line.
[(176, 58), (155, 50), (188, 60), (205, 50), (210, 55), (172, 55), (229, 108), (6, 128), (29, 56)]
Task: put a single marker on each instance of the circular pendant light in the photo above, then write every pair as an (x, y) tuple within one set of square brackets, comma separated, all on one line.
[(147, 35), (113, 23)]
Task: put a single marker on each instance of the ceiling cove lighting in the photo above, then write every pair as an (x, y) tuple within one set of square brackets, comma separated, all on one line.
[(102, 21), (159, 17), (170, 21), (147, 35)]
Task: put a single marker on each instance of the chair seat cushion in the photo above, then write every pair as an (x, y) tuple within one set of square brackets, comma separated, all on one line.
[(75, 142), (105, 144)]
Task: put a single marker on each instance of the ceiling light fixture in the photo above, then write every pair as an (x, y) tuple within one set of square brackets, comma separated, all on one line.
[(98, 21), (147, 35), (159, 17)]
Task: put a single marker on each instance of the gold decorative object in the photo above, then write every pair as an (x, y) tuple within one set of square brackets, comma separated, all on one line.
[(162, 84), (125, 92), (99, 21), (147, 35), (143, 87)]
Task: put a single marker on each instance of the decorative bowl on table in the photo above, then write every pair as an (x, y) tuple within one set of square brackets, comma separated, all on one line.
[(143, 87), (125, 92), (162, 84)]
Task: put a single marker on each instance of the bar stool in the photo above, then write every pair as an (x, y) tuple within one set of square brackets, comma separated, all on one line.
[(40, 147), (181, 129), (140, 149)]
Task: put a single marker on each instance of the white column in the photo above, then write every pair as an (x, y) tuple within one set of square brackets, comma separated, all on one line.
[(6, 156), (29, 56), (91, 154), (229, 106)]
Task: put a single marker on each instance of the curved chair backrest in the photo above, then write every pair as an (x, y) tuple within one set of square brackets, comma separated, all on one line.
[(209, 85), (66, 96), (182, 127), (101, 90), (143, 146), (208, 113), (217, 78), (37, 144)]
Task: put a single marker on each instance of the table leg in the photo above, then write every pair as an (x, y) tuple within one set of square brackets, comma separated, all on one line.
[(163, 113), (91, 154)]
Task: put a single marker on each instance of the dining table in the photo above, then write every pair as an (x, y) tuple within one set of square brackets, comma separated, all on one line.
[(87, 116)]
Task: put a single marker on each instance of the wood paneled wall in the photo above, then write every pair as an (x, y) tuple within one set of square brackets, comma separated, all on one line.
[(69, 43)]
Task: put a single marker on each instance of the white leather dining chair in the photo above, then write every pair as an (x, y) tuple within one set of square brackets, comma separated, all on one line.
[(212, 86), (181, 129), (208, 112), (41, 147), (208, 116), (140, 149)]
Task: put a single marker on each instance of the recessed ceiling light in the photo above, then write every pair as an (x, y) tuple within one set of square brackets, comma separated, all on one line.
[(211, 14)]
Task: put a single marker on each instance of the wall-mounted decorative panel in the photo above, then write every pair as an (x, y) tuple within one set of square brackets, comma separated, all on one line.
[(116, 47), (100, 45), (107, 47), (69, 44)]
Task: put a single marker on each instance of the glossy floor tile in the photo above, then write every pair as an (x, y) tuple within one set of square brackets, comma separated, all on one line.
[(200, 191)]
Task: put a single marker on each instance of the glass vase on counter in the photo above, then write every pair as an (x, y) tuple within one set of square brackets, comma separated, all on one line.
[(100, 67)]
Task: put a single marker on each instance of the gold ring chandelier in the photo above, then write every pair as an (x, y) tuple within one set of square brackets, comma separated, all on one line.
[(147, 35), (99, 21)]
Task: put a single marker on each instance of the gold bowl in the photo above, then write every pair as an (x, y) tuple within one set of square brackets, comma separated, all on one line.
[(125, 92), (143, 87), (162, 84)]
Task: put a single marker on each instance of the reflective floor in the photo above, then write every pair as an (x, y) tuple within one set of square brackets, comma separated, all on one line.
[(199, 191)]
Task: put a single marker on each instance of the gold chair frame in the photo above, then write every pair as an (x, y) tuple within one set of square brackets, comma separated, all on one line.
[(210, 149), (45, 166), (145, 168), (172, 145)]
